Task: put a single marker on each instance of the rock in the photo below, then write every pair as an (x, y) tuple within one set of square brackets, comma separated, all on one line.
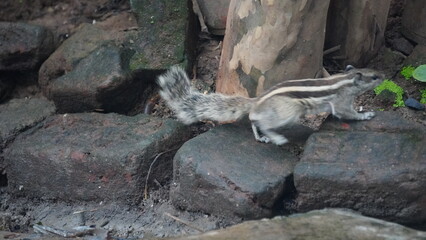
[(375, 167), (34, 236), (121, 21), (23, 46), (89, 71), (321, 224), (402, 45), (215, 14), (107, 70), (387, 61), (417, 57), (99, 81), (386, 97), (382, 122), (166, 34), (414, 104), (5, 220), (92, 156), (226, 172), (72, 51), (6, 88), (17, 115)]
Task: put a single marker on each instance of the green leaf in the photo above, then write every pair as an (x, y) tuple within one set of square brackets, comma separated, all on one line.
[(423, 96), (407, 72), (420, 73)]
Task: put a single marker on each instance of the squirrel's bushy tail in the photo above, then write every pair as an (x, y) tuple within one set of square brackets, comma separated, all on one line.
[(192, 106)]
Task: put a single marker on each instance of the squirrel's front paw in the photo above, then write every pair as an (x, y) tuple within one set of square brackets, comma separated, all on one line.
[(368, 115), (264, 139)]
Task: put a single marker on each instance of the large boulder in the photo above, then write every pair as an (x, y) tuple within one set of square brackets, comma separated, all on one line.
[(417, 57), (18, 115), (314, 225), (87, 38), (321, 224), (226, 172), (6, 88), (100, 69), (165, 36), (90, 71), (24, 46), (101, 81), (376, 167), (92, 156)]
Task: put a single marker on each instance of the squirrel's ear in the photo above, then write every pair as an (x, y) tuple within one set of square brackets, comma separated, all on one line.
[(357, 78), (349, 67)]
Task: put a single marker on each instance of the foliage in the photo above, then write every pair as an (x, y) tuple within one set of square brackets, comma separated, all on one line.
[(423, 97), (407, 71), (394, 88), (420, 73)]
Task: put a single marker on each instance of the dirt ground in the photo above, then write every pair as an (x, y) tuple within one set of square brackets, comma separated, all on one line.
[(154, 216)]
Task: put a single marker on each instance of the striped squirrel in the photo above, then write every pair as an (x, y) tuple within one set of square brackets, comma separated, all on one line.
[(280, 106)]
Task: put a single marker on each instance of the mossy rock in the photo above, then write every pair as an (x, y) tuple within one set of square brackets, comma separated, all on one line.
[(389, 89), (164, 37)]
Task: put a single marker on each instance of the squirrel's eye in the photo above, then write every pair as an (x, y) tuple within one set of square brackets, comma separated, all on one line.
[(375, 77)]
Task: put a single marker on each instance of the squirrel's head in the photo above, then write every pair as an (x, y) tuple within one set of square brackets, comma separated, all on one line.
[(364, 78)]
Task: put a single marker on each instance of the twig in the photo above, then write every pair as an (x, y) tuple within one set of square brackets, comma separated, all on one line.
[(150, 103), (130, 29), (197, 11), (83, 211), (158, 183), (79, 231), (339, 57), (40, 229), (145, 191), (331, 50), (183, 222), (194, 72), (218, 46)]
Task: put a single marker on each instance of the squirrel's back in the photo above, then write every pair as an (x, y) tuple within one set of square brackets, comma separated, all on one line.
[(192, 106)]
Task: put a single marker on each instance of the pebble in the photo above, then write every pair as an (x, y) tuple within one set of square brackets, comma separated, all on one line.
[(414, 104)]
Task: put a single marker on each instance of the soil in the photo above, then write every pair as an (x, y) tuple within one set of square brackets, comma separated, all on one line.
[(152, 217)]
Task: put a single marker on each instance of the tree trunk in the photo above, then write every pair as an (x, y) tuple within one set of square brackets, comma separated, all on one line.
[(358, 26), (414, 21), (269, 41)]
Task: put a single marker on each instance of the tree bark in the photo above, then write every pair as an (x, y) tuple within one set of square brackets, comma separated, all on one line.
[(414, 21), (269, 41), (358, 26)]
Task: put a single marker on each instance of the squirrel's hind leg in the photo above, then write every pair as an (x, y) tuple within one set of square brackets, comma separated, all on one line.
[(263, 139), (268, 136), (274, 137), (272, 115)]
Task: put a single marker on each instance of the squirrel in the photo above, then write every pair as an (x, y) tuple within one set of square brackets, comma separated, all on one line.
[(280, 106)]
